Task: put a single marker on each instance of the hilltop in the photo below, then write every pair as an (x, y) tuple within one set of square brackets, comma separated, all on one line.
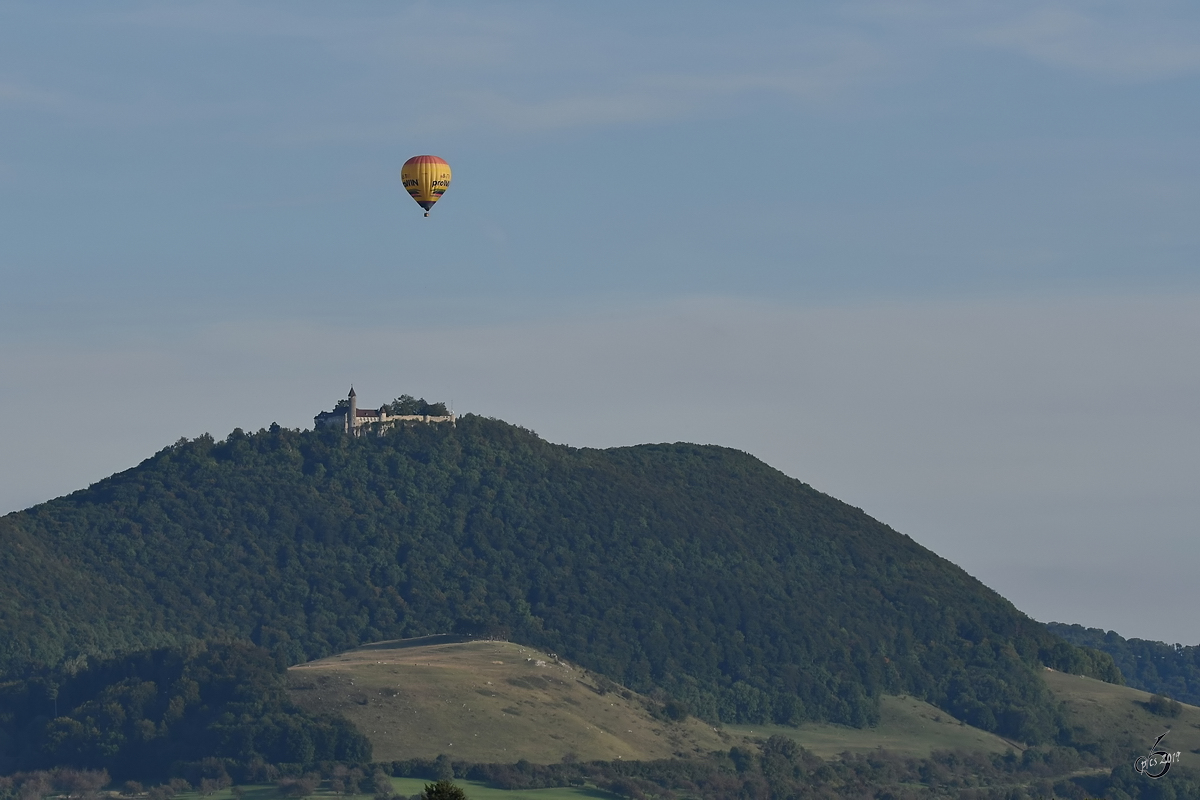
[(695, 574), (490, 701)]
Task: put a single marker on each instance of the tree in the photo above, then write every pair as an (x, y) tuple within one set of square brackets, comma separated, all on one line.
[(405, 405), (443, 790), (1163, 706), (382, 784), (298, 787)]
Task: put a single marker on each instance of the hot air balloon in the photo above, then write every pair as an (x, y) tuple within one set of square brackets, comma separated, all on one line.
[(426, 178)]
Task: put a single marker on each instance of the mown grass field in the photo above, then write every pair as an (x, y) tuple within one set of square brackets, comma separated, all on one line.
[(485, 701)]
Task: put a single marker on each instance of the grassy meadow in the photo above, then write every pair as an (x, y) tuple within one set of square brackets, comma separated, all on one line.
[(492, 702), (1118, 714), (500, 702), (907, 727)]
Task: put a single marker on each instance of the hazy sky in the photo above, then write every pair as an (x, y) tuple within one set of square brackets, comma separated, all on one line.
[(938, 259)]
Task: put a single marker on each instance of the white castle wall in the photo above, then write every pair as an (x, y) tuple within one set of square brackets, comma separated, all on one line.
[(377, 422)]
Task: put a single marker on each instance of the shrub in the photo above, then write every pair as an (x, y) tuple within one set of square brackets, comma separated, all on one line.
[(1163, 706)]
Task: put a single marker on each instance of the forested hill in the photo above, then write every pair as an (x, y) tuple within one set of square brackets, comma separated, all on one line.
[(1172, 670), (699, 572)]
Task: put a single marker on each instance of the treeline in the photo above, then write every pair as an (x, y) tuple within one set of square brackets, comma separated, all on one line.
[(406, 405), (83, 784), (192, 712), (779, 768), (696, 571), (774, 769), (1172, 670), (206, 777)]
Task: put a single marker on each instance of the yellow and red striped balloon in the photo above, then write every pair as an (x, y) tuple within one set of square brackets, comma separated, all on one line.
[(426, 178)]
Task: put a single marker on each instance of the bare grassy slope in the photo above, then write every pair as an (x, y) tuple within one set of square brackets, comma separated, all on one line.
[(907, 726), (1117, 714), (501, 702), (488, 701)]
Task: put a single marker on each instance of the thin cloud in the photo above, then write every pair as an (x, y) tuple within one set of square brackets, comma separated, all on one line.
[(118, 110), (1132, 44), (411, 34), (577, 111), (521, 69), (1145, 41), (525, 68)]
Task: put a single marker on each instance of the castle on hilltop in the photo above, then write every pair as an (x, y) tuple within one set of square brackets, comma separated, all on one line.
[(356, 421)]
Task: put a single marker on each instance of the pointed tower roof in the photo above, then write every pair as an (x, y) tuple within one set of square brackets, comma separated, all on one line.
[(352, 394)]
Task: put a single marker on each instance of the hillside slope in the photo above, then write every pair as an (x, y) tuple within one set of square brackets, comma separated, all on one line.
[(1157, 667), (500, 702), (695, 571), (1120, 719), (491, 702)]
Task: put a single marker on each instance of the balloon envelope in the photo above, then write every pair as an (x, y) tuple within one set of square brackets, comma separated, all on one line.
[(426, 178)]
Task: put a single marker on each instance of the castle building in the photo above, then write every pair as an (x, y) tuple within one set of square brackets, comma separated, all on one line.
[(356, 421)]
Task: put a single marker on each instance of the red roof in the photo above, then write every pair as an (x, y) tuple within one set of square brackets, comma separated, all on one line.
[(425, 160), (367, 412)]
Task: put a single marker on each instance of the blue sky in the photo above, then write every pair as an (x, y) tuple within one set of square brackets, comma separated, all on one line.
[(938, 259)]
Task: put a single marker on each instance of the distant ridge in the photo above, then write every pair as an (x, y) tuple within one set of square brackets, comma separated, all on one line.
[(694, 572)]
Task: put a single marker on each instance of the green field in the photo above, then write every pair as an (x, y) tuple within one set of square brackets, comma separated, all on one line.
[(406, 787), (257, 791), (481, 791), (907, 727)]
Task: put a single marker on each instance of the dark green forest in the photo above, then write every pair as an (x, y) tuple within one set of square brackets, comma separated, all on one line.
[(167, 712), (694, 571), (1171, 670)]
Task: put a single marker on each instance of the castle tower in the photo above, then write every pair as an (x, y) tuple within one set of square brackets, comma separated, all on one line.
[(352, 414)]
